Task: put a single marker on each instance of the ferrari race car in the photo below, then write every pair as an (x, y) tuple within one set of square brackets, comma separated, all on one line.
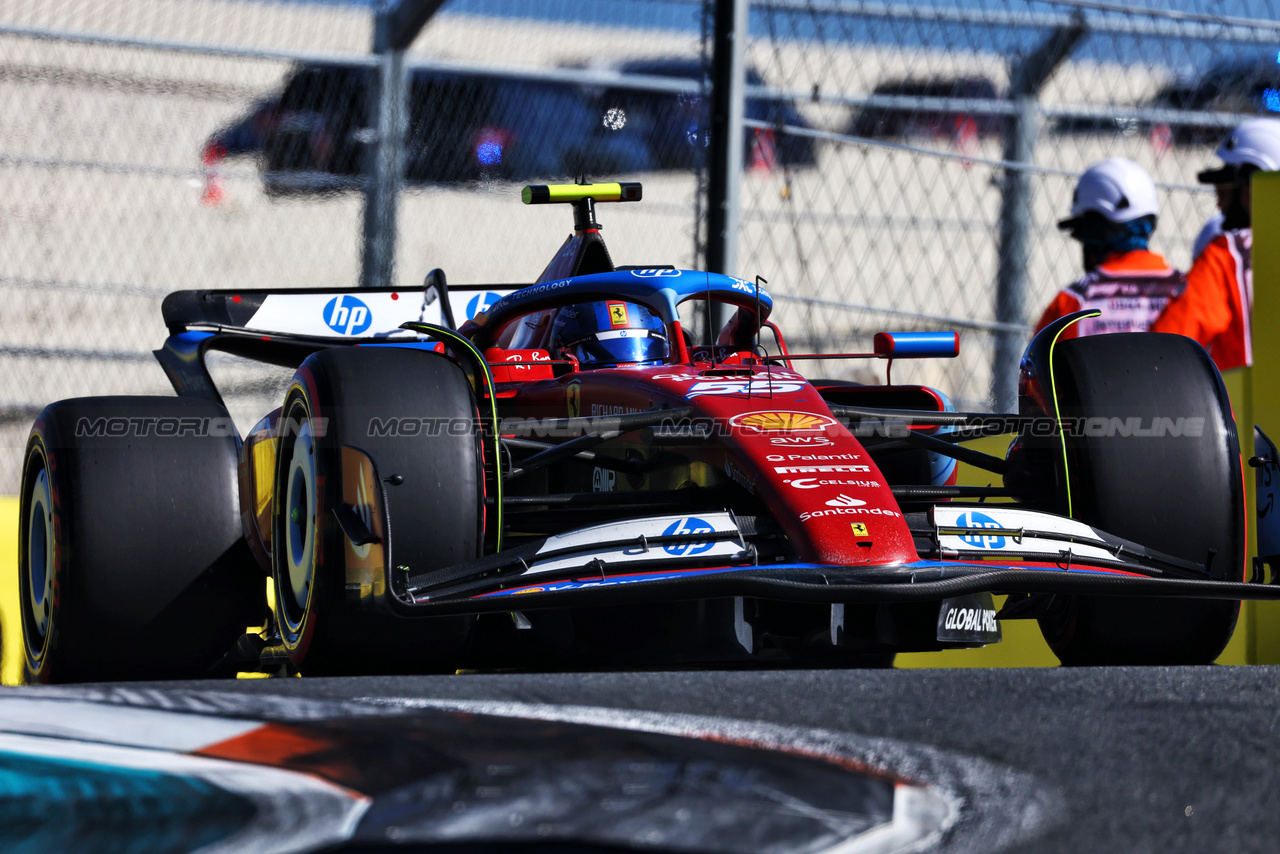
[(589, 473)]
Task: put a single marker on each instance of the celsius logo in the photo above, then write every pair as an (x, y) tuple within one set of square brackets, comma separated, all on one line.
[(843, 500), (482, 302), (655, 273), (692, 525), (980, 541), (347, 315)]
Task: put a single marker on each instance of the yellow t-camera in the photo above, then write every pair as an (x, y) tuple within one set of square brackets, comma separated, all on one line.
[(547, 194)]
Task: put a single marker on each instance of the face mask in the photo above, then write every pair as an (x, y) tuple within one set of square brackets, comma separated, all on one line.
[(1235, 214), (1101, 238)]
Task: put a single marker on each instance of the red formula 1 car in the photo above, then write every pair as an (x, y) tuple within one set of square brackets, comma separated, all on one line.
[(586, 473)]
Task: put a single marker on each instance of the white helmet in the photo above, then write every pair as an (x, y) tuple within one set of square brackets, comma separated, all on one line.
[(1117, 188), (1255, 142)]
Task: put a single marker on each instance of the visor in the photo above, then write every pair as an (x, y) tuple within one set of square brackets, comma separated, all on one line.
[(1226, 174), (618, 346)]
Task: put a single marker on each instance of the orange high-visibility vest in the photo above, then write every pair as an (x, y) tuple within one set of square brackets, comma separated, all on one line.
[(1131, 290), (1216, 306)]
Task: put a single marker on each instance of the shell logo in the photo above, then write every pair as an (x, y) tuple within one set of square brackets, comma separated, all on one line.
[(783, 422)]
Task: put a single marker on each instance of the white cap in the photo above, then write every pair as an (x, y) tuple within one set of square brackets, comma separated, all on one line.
[(1117, 188), (1255, 142)]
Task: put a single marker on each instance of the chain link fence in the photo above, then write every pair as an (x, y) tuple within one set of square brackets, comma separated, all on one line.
[(159, 145), (904, 165), (951, 137)]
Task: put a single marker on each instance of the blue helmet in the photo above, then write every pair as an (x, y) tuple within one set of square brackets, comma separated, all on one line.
[(607, 333)]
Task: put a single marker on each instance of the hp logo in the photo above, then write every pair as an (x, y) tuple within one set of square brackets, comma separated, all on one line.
[(692, 525), (980, 541), (481, 302), (347, 315), (655, 273)]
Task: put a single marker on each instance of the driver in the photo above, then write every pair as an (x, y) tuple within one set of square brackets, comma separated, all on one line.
[(608, 333)]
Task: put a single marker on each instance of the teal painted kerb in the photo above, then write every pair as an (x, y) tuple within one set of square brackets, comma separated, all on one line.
[(84, 807)]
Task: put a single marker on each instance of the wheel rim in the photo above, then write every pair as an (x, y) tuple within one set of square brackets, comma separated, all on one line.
[(297, 529), (36, 562)]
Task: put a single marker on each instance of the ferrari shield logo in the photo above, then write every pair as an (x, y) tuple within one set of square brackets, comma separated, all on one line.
[(859, 529), (573, 399), (618, 315)]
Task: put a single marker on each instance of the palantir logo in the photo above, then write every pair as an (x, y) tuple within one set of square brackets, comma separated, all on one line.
[(980, 541), (692, 525), (482, 302), (347, 315)]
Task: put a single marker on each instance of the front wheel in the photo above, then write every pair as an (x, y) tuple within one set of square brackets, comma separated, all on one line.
[(413, 413), (1156, 460)]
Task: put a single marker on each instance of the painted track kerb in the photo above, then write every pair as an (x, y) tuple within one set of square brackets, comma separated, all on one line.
[(976, 806), (294, 811)]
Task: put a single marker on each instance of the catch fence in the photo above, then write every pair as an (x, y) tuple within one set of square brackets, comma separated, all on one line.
[(903, 165), (952, 135)]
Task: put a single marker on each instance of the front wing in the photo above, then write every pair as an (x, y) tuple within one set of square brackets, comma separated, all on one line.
[(921, 581), (661, 558)]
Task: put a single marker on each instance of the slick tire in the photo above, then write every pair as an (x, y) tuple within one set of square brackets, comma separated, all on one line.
[(1180, 494), (132, 563), (435, 503)]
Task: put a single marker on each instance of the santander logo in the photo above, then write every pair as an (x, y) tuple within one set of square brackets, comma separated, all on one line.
[(843, 500)]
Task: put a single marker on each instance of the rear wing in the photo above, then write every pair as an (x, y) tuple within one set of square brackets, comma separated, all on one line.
[(284, 327), (344, 313)]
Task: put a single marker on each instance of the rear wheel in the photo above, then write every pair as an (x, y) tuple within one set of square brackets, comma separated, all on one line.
[(1178, 489), (132, 564), (413, 414)]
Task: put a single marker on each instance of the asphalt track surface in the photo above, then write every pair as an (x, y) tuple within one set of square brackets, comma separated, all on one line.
[(1093, 760)]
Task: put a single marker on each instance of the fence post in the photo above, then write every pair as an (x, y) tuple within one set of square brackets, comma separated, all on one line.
[(724, 174), (1022, 128), (387, 97)]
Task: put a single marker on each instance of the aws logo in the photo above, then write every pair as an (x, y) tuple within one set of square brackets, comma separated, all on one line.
[(347, 315)]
